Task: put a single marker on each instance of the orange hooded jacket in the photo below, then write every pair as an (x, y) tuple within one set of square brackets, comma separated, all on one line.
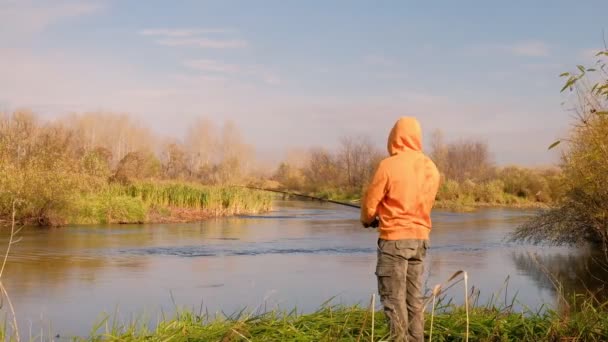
[(403, 190)]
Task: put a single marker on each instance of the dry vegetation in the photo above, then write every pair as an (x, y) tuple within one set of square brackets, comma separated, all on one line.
[(581, 215), (336, 175), (469, 178), (83, 169)]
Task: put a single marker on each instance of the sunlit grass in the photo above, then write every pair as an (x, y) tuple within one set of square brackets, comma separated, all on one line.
[(353, 323), (225, 199), (132, 203)]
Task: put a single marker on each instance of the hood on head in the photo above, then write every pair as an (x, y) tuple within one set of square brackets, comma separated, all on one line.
[(406, 135)]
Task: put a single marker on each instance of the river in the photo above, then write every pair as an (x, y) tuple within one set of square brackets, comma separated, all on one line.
[(300, 255)]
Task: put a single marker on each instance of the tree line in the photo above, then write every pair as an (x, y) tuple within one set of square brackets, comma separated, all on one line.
[(115, 145), (469, 176), (338, 174), (47, 165)]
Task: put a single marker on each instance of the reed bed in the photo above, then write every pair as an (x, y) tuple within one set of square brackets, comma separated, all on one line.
[(221, 199), (151, 201)]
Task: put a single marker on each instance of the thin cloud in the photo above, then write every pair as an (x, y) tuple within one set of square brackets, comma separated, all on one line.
[(193, 37), (519, 49), (28, 17), (194, 81), (543, 66), (182, 32), (527, 49), (204, 43), (589, 54), (213, 70), (271, 78), (208, 65), (378, 60)]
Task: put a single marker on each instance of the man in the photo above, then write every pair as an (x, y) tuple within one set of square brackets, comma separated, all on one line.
[(399, 200)]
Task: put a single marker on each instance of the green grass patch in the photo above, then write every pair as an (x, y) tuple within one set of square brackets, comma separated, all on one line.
[(105, 208), (133, 203), (337, 194), (353, 323), (221, 199)]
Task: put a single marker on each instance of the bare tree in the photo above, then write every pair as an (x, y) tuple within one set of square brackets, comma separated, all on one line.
[(201, 144), (118, 133), (322, 170), (357, 158), (175, 159), (467, 159), (439, 150), (235, 155)]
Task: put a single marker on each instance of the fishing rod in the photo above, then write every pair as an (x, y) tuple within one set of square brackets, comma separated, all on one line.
[(351, 205)]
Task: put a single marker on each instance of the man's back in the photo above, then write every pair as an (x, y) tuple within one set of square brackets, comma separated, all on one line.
[(404, 187)]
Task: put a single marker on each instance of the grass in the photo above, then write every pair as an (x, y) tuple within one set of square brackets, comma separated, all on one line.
[(467, 204), (339, 195), (105, 208), (583, 319), (468, 196), (219, 199), (353, 323), (162, 201)]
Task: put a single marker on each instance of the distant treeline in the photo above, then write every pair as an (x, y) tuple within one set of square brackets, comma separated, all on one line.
[(469, 177), (336, 174)]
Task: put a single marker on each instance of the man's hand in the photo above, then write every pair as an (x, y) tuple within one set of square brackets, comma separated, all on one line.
[(374, 224)]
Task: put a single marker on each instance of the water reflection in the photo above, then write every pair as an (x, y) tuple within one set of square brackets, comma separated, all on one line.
[(567, 273)]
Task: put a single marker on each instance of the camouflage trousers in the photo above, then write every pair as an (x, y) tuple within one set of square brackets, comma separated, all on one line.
[(399, 272)]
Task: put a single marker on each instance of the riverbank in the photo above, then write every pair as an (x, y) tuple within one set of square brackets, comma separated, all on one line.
[(154, 202), (506, 187), (464, 202), (471, 205), (338, 323)]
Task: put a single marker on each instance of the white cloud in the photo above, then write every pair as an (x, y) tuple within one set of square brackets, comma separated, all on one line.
[(211, 66), (29, 17), (204, 43), (182, 32)]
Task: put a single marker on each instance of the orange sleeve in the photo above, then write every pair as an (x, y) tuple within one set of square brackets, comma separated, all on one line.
[(375, 193)]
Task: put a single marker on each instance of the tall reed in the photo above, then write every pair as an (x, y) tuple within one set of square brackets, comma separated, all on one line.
[(219, 199)]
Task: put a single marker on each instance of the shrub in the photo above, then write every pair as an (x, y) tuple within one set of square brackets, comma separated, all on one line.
[(137, 165), (582, 214), (490, 192), (449, 190)]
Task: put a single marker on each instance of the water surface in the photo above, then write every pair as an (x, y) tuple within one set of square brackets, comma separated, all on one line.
[(299, 255)]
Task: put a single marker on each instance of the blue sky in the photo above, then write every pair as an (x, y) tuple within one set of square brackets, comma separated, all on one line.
[(302, 73)]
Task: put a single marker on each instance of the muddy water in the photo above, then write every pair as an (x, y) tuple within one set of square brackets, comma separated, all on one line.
[(300, 255)]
